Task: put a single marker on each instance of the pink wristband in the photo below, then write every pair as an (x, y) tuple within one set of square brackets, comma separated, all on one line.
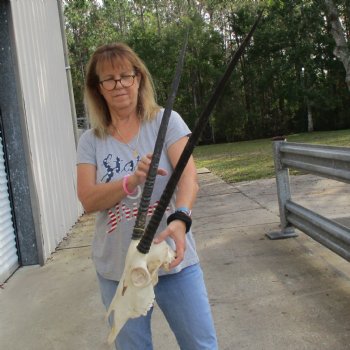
[(125, 185)]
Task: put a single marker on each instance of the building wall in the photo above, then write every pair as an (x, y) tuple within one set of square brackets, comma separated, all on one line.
[(17, 169), (47, 117)]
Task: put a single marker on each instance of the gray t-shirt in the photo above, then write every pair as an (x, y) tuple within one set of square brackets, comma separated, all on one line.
[(114, 160)]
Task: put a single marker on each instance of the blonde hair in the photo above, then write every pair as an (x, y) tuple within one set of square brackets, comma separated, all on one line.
[(98, 111)]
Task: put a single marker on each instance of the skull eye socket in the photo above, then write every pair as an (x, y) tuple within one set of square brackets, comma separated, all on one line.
[(140, 277)]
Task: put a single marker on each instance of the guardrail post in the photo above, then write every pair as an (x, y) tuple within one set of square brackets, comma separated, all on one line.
[(283, 193)]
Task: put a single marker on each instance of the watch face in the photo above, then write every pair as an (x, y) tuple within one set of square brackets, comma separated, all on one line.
[(184, 210)]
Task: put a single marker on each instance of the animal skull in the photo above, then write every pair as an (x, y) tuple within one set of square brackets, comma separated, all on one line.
[(135, 295)]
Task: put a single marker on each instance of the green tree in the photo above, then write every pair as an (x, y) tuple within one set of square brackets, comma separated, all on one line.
[(288, 79)]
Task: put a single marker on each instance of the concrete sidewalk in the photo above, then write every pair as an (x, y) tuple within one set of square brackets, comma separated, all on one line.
[(265, 295)]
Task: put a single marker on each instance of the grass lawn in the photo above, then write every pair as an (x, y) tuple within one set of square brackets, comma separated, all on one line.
[(253, 160)]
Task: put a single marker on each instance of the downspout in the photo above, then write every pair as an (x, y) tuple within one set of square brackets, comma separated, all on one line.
[(68, 72)]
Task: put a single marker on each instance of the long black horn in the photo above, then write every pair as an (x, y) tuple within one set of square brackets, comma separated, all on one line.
[(146, 240), (140, 222)]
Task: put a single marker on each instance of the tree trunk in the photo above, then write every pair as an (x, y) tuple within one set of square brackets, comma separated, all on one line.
[(157, 16), (341, 50), (310, 124)]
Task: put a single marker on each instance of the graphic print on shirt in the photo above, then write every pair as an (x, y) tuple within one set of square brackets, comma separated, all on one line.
[(117, 166), (122, 211)]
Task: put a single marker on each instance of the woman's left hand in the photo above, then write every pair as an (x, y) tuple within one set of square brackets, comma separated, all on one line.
[(177, 231)]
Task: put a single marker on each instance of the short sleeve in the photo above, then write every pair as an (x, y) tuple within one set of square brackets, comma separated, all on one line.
[(177, 129), (86, 150)]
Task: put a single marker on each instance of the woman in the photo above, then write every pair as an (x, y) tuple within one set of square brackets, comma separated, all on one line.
[(113, 161)]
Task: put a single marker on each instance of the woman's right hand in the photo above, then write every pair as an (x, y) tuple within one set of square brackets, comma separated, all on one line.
[(140, 174), (96, 197)]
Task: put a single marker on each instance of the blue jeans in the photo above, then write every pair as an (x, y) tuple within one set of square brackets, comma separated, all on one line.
[(183, 299)]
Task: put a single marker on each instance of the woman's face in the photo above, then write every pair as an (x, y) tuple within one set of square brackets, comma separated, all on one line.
[(119, 98)]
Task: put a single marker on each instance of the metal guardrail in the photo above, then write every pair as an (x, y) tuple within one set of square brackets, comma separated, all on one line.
[(326, 161)]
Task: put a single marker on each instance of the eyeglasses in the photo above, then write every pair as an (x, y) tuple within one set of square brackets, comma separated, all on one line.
[(125, 81)]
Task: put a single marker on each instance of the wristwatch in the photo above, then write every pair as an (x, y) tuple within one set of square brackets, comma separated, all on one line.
[(184, 210)]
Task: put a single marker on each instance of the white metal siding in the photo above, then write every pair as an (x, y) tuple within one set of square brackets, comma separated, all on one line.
[(48, 116), (8, 250)]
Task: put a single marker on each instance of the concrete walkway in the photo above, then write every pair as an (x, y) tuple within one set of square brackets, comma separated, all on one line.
[(265, 295)]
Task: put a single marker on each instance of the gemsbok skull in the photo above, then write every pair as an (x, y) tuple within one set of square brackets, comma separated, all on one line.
[(135, 293)]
